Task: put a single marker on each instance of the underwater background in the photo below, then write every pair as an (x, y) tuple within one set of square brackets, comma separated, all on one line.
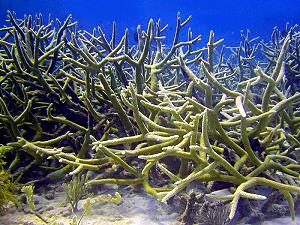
[(225, 18), (96, 122)]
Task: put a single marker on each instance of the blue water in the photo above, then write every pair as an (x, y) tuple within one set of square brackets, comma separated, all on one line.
[(226, 18)]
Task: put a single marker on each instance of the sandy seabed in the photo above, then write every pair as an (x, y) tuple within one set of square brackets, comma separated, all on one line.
[(136, 208)]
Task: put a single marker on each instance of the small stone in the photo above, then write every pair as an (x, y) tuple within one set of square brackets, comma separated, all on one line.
[(38, 199), (41, 211), (50, 195), (59, 188), (66, 213), (23, 199), (26, 210), (11, 210), (49, 208), (38, 208), (51, 186), (91, 174)]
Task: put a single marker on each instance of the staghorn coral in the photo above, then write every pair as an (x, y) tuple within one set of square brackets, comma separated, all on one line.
[(66, 92)]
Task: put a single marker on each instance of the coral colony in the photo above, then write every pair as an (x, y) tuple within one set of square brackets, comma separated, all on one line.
[(73, 101)]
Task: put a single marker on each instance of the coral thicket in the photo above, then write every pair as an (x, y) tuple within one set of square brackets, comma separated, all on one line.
[(74, 101)]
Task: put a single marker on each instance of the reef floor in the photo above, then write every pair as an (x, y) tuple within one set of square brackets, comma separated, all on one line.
[(135, 208)]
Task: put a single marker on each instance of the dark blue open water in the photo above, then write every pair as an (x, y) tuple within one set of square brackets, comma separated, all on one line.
[(226, 18)]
